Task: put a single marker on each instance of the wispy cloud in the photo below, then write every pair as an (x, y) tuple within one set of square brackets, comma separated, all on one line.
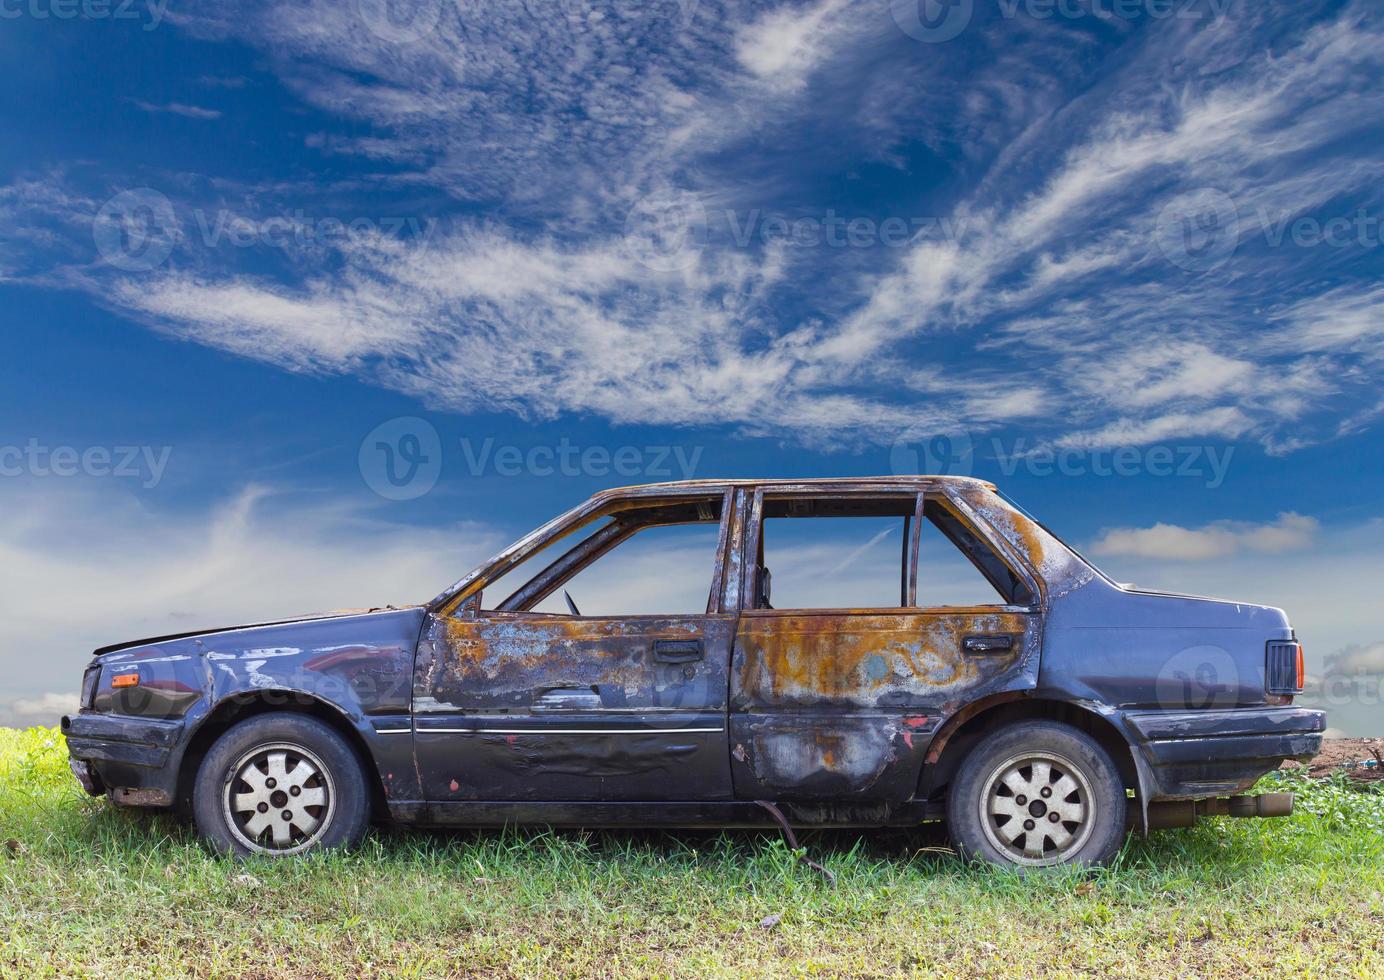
[(138, 569), (1064, 295), (178, 109), (1290, 532)]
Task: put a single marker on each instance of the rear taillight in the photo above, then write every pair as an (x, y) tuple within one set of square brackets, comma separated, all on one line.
[(1285, 671), (89, 679)]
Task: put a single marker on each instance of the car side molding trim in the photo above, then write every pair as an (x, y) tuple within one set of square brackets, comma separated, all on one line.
[(568, 731)]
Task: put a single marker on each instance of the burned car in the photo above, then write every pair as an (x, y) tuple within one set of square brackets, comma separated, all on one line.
[(1043, 710)]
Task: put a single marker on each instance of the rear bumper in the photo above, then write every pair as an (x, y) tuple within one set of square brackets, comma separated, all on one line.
[(135, 759), (1214, 752)]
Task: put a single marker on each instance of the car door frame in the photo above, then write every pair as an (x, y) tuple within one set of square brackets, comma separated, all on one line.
[(571, 745)]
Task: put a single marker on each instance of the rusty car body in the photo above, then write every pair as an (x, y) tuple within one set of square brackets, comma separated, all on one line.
[(476, 709)]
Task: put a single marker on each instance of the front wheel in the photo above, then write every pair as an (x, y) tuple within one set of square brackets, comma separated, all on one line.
[(1037, 794), (280, 784)]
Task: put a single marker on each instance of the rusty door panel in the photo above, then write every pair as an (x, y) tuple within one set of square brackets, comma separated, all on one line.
[(527, 706), (842, 703)]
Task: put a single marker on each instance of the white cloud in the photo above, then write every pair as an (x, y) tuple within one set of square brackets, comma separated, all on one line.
[(1358, 659), (784, 45), (1226, 422), (1049, 302), (45, 709), (1348, 318), (1290, 532), (81, 569), (178, 109)]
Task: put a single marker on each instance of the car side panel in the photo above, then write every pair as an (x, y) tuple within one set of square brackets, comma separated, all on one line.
[(841, 704), (361, 666)]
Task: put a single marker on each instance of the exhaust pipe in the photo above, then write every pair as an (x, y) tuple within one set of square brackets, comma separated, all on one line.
[(1167, 814)]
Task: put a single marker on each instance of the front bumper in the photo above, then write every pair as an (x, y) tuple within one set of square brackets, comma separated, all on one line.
[(1218, 751), (135, 759)]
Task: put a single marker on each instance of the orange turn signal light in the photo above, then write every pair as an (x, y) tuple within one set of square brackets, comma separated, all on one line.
[(125, 680)]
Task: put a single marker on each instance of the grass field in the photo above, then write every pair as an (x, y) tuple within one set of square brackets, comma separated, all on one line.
[(87, 889)]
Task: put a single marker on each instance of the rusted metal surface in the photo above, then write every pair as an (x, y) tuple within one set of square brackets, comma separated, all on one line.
[(843, 702), (506, 662), (515, 706), (1057, 570)]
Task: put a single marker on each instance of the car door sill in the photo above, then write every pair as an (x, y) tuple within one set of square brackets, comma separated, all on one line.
[(635, 814)]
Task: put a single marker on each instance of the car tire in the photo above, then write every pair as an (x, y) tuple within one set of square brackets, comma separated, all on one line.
[(278, 785), (1037, 794)]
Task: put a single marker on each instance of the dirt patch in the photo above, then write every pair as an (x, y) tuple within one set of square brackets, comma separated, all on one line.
[(1360, 758)]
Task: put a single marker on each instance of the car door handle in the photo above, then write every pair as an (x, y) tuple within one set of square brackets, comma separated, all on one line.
[(568, 699), (987, 643), (677, 651)]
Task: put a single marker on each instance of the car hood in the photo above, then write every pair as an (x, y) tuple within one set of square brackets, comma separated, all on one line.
[(306, 618)]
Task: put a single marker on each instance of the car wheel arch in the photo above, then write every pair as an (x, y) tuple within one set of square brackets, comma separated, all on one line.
[(235, 708), (965, 728)]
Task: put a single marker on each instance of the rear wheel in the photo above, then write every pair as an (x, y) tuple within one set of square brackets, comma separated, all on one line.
[(1038, 794), (280, 784)]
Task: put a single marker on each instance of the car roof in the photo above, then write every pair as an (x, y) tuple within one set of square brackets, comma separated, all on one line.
[(901, 481)]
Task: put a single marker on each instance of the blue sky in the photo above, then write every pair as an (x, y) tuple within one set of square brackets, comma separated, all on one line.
[(1122, 257)]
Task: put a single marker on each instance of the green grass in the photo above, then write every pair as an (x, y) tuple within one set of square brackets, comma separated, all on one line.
[(86, 889)]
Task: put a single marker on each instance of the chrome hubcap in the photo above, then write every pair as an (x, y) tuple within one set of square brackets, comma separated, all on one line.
[(279, 799), (1037, 808)]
